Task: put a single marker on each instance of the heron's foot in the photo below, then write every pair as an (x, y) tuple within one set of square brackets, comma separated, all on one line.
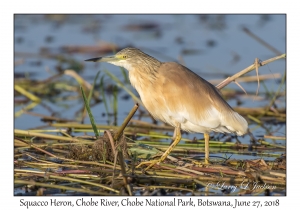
[(206, 160), (151, 163)]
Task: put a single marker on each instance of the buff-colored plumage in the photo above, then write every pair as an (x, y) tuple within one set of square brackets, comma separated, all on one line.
[(174, 94), (179, 95)]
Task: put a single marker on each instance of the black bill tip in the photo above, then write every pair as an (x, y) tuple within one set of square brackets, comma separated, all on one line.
[(94, 59)]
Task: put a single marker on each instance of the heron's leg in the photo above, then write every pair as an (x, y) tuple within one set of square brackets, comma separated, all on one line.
[(206, 140), (176, 140), (168, 151)]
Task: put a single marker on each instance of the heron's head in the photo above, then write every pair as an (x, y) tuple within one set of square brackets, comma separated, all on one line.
[(129, 58)]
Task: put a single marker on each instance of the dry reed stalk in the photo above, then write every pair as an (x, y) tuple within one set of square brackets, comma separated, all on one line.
[(248, 69)]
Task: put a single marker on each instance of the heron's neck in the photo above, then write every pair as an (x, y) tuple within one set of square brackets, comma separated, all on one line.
[(143, 70), (141, 77)]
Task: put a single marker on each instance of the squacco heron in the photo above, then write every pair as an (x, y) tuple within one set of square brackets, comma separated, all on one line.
[(176, 95)]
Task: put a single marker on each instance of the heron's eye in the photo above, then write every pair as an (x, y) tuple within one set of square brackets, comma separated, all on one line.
[(124, 56)]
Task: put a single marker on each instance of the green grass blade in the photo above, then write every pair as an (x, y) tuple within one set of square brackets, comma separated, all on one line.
[(115, 103), (125, 75), (87, 106)]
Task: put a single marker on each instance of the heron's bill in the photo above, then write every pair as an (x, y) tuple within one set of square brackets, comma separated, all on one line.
[(104, 59)]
